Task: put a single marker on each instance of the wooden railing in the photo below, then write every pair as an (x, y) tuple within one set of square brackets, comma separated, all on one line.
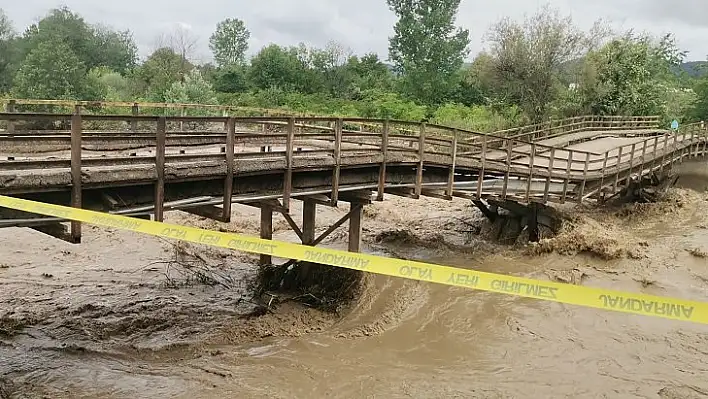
[(527, 170)]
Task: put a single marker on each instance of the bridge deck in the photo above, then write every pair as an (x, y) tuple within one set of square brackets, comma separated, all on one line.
[(266, 157)]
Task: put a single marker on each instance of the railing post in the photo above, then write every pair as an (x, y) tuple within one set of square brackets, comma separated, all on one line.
[(453, 162), (161, 138), (421, 162), (691, 153), (631, 164), (182, 114), (568, 170), (10, 108), (134, 122), (288, 179), (673, 152), (705, 137), (382, 167), (338, 126), (76, 190), (551, 160), (617, 173), (643, 164), (529, 181), (509, 151), (229, 181), (585, 177), (480, 180), (653, 157), (601, 193)]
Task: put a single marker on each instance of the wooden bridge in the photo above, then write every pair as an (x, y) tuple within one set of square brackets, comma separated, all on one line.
[(143, 165)]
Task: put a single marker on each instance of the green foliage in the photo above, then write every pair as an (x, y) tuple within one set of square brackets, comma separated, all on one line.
[(51, 70), (477, 118), (631, 75), (230, 42), (392, 106), (276, 67), (233, 79), (157, 74), (525, 59), (194, 90), (426, 48), (94, 46), (7, 50)]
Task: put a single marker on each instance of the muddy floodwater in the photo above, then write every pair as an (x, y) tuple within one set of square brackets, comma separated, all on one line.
[(119, 317)]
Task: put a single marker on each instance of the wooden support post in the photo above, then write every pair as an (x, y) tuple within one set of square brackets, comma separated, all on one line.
[(534, 234), (421, 161), (160, 168), (382, 167), (704, 133), (10, 108), (568, 170), (288, 179), (453, 161), (617, 165), (631, 165), (309, 216), (266, 231), (182, 113), (229, 181), (480, 180), (338, 126), (585, 177), (134, 122), (509, 149), (76, 200), (530, 177), (691, 152), (355, 227)]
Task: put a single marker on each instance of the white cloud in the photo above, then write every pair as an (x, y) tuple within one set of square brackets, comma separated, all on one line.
[(362, 25)]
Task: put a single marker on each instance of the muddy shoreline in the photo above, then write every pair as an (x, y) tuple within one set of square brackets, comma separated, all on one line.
[(115, 317)]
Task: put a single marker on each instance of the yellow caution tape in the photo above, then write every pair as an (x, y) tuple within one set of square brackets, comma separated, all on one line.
[(648, 305)]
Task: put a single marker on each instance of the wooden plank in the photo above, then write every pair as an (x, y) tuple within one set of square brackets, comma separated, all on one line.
[(76, 189), (480, 180), (453, 155), (382, 167), (550, 173), (161, 138), (337, 160), (288, 178), (229, 181), (421, 161)]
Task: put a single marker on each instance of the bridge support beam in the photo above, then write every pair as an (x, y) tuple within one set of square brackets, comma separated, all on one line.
[(266, 231), (76, 190)]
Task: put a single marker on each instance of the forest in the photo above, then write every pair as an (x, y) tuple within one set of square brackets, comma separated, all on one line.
[(531, 70)]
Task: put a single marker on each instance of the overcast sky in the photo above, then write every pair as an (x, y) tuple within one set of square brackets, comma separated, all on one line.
[(361, 25)]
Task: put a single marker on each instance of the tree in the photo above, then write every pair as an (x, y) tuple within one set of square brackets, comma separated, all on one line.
[(95, 46), (51, 70), (280, 68), (426, 48), (182, 42), (230, 42), (160, 71), (632, 75), (526, 59), (195, 90), (7, 47)]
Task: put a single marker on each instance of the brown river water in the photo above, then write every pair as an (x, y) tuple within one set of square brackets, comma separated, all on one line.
[(110, 319)]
